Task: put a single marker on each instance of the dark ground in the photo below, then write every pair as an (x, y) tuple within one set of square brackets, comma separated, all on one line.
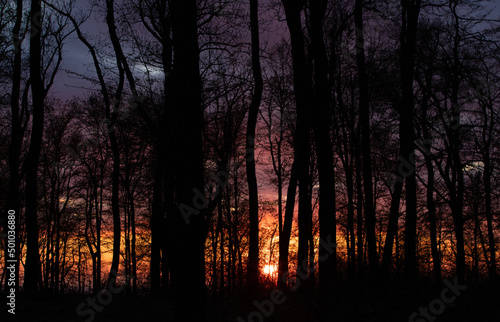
[(356, 301)]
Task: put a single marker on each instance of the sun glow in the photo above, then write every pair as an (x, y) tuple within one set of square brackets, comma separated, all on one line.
[(269, 269)]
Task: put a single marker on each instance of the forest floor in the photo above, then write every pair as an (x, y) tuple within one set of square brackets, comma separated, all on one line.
[(355, 301), (384, 301)]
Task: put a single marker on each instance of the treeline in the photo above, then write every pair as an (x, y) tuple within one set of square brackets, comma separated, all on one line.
[(373, 125)]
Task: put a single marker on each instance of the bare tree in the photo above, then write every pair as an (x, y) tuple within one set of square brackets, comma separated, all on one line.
[(41, 78), (303, 94), (324, 151), (364, 120), (188, 274), (253, 112)]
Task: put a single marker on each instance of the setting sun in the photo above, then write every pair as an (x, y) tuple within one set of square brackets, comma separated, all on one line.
[(269, 269)]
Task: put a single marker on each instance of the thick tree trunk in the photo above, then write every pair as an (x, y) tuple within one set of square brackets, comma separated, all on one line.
[(188, 275), (253, 198), (303, 95), (324, 151), (32, 269), (410, 13), (364, 120), (166, 160), (112, 116)]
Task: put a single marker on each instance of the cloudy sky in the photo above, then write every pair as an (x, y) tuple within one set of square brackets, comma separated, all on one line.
[(78, 60)]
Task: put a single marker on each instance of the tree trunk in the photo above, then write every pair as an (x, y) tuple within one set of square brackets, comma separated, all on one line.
[(98, 224), (410, 12), (324, 151), (303, 95), (188, 275), (364, 120), (457, 182), (233, 230), (112, 116), (350, 226), (166, 146), (253, 198), (359, 206), (487, 200), (431, 210), (425, 146), (156, 225), (392, 225), (133, 252), (221, 245), (284, 240), (431, 206), (32, 269)]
